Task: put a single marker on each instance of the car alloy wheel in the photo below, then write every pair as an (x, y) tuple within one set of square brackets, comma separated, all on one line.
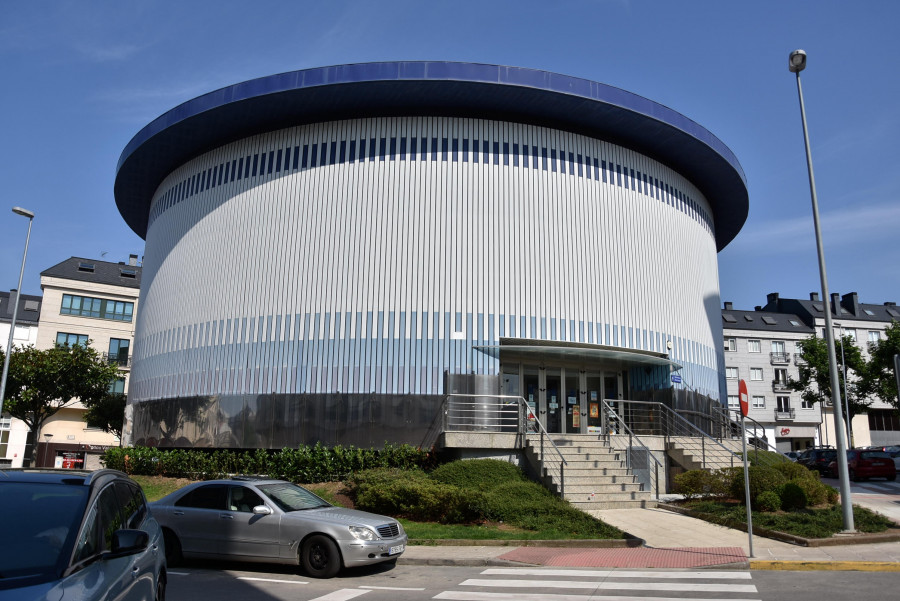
[(320, 557)]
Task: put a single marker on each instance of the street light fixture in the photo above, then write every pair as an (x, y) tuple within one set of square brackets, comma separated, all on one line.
[(797, 63), (12, 324)]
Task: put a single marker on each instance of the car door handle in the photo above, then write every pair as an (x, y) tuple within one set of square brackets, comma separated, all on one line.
[(226, 516), (135, 571), (177, 513)]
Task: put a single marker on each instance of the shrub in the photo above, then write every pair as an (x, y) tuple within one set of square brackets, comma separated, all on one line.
[(511, 500), (816, 491), (479, 474), (793, 497), (795, 471), (762, 479), (422, 500), (694, 484), (769, 501)]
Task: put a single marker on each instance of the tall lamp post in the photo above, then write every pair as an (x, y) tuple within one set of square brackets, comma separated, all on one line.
[(846, 398), (797, 62), (12, 324)]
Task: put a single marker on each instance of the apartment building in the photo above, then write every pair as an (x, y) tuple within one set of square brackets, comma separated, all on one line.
[(761, 348), (86, 302)]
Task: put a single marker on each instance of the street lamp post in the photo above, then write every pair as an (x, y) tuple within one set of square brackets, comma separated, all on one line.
[(797, 62), (12, 324), (846, 398)]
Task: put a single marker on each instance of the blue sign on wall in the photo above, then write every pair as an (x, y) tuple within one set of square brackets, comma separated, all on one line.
[(676, 379)]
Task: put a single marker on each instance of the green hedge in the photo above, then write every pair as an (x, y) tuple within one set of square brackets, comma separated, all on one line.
[(305, 464)]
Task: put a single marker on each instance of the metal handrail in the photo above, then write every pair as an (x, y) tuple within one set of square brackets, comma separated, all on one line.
[(703, 436), (758, 443), (611, 414), (523, 425)]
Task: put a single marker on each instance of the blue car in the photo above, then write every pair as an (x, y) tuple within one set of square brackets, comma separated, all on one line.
[(78, 535)]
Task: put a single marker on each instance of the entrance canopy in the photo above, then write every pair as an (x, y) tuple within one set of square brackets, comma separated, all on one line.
[(541, 351)]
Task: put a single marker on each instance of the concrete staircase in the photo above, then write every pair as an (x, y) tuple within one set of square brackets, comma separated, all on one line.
[(694, 453), (595, 476)]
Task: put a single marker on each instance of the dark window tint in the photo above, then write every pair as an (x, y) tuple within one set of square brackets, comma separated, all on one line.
[(133, 504), (506, 153), (210, 496), (352, 151), (403, 149), (332, 156), (343, 152), (382, 148), (444, 149), (433, 149)]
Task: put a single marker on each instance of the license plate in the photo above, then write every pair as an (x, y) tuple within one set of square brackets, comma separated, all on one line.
[(396, 549)]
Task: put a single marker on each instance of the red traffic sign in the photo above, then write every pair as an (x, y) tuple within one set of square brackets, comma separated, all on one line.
[(744, 398)]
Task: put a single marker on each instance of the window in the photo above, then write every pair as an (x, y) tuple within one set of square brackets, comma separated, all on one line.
[(210, 496), (781, 376), (804, 404), (778, 347), (731, 373), (88, 267), (851, 332), (734, 401), (759, 402), (118, 350), (769, 320), (117, 386), (103, 519), (128, 273), (756, 374), (87, 306), (241, 498), (31, 305), (783, 404), (874, 335), (753, 346), (66, 339), (883, 420), (132, 501), (730, 344)]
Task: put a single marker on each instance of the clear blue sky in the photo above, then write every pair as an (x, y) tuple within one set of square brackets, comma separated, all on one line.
[(80, 78)]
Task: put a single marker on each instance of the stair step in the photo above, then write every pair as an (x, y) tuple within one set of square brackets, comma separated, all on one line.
[(637, 495), (603, 504), (601, 489)]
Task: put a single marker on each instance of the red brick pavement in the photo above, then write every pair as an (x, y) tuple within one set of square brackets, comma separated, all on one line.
[(643, 557)]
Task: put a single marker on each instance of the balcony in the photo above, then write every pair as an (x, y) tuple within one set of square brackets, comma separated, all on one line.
[(784, 415), (121, 359), (780, 358), (780, 386)]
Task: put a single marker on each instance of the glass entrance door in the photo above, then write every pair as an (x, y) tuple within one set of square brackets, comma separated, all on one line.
[(594, 394), (573, 401), (554, 402)]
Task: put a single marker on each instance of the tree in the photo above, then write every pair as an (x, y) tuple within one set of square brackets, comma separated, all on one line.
[(879, 380), (41, 382), (814, 383), (107, 413)]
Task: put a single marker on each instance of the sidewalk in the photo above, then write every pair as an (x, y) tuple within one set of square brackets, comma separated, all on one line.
[(671, 541)]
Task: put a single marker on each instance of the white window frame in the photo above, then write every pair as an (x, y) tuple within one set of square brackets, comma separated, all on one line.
[(731, 344), (758, 402), (754, 346), (734, 401), (755, 371), (731, 373)]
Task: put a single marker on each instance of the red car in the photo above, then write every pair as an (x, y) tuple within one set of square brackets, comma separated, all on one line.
[(863, 464)]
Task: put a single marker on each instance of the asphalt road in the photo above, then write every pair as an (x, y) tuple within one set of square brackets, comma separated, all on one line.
[(402, 583), (878, 495)]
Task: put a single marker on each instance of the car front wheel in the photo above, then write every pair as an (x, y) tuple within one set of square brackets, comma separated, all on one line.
[(161, 588), (320, 557)]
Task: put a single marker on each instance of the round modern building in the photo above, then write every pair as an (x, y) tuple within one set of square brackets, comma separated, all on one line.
[(330, 252)]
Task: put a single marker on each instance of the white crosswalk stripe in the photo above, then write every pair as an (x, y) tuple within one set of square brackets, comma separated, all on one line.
[(630, 585)]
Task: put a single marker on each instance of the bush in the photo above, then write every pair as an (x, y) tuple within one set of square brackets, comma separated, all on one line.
[(769, 501), (694, 484), (816, 491), (478, 474), (509, 501), (762, 479), (421, 500), (793, 497), (795, 471)]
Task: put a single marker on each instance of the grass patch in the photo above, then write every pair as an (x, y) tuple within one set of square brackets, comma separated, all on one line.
[(156, 487), (817, 522)]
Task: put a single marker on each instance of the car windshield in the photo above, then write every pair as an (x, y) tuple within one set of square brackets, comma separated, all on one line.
[(290, 497), (42, 519)]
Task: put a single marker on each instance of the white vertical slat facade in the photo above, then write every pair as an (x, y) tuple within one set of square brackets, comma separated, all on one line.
[(372, 255)]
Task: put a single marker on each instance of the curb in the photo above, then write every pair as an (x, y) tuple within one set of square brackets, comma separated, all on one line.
[(857, 538), (462, 562), (826, 566), (626, 543)]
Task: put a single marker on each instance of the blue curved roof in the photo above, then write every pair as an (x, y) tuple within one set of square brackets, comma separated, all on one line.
[(436, 89)]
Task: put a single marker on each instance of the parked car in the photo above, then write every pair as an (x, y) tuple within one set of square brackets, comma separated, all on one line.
[(792, 455), (817, 459), (895, 455), (863, 464), (274, 521), (78, 535)]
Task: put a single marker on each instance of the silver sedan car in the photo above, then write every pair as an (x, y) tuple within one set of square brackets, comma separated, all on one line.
[(248, 519)]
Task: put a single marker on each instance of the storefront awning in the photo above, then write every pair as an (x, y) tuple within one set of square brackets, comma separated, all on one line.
[(539, 351)]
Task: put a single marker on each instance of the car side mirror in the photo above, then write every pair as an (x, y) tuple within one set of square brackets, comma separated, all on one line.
[(262, 510), (128, 542)]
